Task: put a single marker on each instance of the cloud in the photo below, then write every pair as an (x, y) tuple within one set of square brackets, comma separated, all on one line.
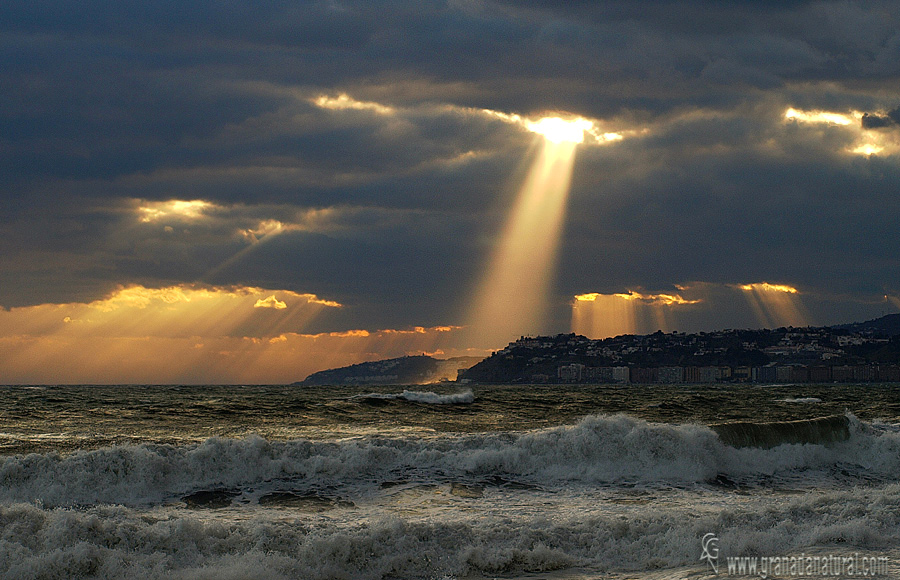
[(270, 302), (598, 315), (129, 348), (881, 120), (697, 306), (205, 334), (173, 311), (368, 154)]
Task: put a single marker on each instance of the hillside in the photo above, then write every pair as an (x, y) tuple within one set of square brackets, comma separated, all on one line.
[(407, 370), (840, 353), (886, 326)]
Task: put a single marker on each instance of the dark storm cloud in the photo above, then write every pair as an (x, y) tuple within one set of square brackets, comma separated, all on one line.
[(876, 121), (114, 104)]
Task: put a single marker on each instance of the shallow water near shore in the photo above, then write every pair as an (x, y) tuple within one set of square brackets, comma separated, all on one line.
[(444, 481)]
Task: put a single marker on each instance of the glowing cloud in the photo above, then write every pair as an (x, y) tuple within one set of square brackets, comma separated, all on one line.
[(192, 334), (775, 305), (604, 315), (263, 229), (345, 101), (137, 311), (270, 302), (201, 358), (554, 128), (817, 116), (766, 287), (859, 138), (557, 130), (152, 211), (867, 149)]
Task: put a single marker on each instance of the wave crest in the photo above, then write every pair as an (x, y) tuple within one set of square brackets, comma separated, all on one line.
[(596, 450), (428, 398)]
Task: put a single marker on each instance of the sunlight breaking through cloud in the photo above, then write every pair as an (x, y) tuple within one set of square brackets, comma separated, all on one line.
[(270, 302), (557, 130), (151, 211), (859, 136), (512, 297), (599, 315), (775, 305), (555, 127), (817, 116), (345, 101)]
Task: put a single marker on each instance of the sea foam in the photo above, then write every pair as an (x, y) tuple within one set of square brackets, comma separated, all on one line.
[(118, 542), (427, 397), (605, 450)]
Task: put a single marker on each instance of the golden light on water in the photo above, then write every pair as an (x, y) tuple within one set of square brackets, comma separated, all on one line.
[(512, 298), (775, 305)]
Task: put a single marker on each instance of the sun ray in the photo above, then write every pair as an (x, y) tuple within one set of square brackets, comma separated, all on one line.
[(604, 315), (775, 305), (512, 297)]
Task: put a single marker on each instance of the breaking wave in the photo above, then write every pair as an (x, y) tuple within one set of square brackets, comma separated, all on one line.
[(598, 450), (808, 400), (116, 542), (765, 435), (428, 398)]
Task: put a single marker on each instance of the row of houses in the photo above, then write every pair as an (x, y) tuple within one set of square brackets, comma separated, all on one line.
[(579, 373)]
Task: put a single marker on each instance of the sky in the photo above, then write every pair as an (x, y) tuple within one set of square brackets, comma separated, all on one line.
[(248, 192)]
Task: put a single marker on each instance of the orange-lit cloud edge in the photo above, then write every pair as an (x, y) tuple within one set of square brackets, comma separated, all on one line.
[(599, 315), (859, 141), (188, 333), (193, 334)]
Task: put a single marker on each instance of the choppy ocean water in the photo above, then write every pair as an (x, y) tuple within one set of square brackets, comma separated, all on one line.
[(447, 481)]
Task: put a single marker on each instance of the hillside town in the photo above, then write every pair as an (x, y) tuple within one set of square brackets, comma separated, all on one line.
[(864, 352)]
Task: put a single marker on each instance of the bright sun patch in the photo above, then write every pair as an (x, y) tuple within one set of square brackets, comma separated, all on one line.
[(867, 149), (152, 211), (557, 130), (344, 101), (270, 302), (766, 287), (817, 117)]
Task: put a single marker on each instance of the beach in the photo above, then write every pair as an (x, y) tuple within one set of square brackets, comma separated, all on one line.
[(442, 481)]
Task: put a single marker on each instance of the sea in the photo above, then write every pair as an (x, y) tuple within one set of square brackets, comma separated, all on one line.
[(450, 481)]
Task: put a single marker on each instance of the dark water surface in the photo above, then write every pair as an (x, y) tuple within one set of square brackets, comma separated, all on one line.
[(441, 481), (36, 419)]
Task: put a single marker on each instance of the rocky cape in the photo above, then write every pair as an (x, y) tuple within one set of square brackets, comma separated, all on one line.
[(407, 370)]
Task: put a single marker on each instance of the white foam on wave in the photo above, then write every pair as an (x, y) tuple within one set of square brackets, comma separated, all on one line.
[(596, 450), (427, 397), (802, 400), (118, 542)]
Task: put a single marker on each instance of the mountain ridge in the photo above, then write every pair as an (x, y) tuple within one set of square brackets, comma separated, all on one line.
[(536, 359)]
